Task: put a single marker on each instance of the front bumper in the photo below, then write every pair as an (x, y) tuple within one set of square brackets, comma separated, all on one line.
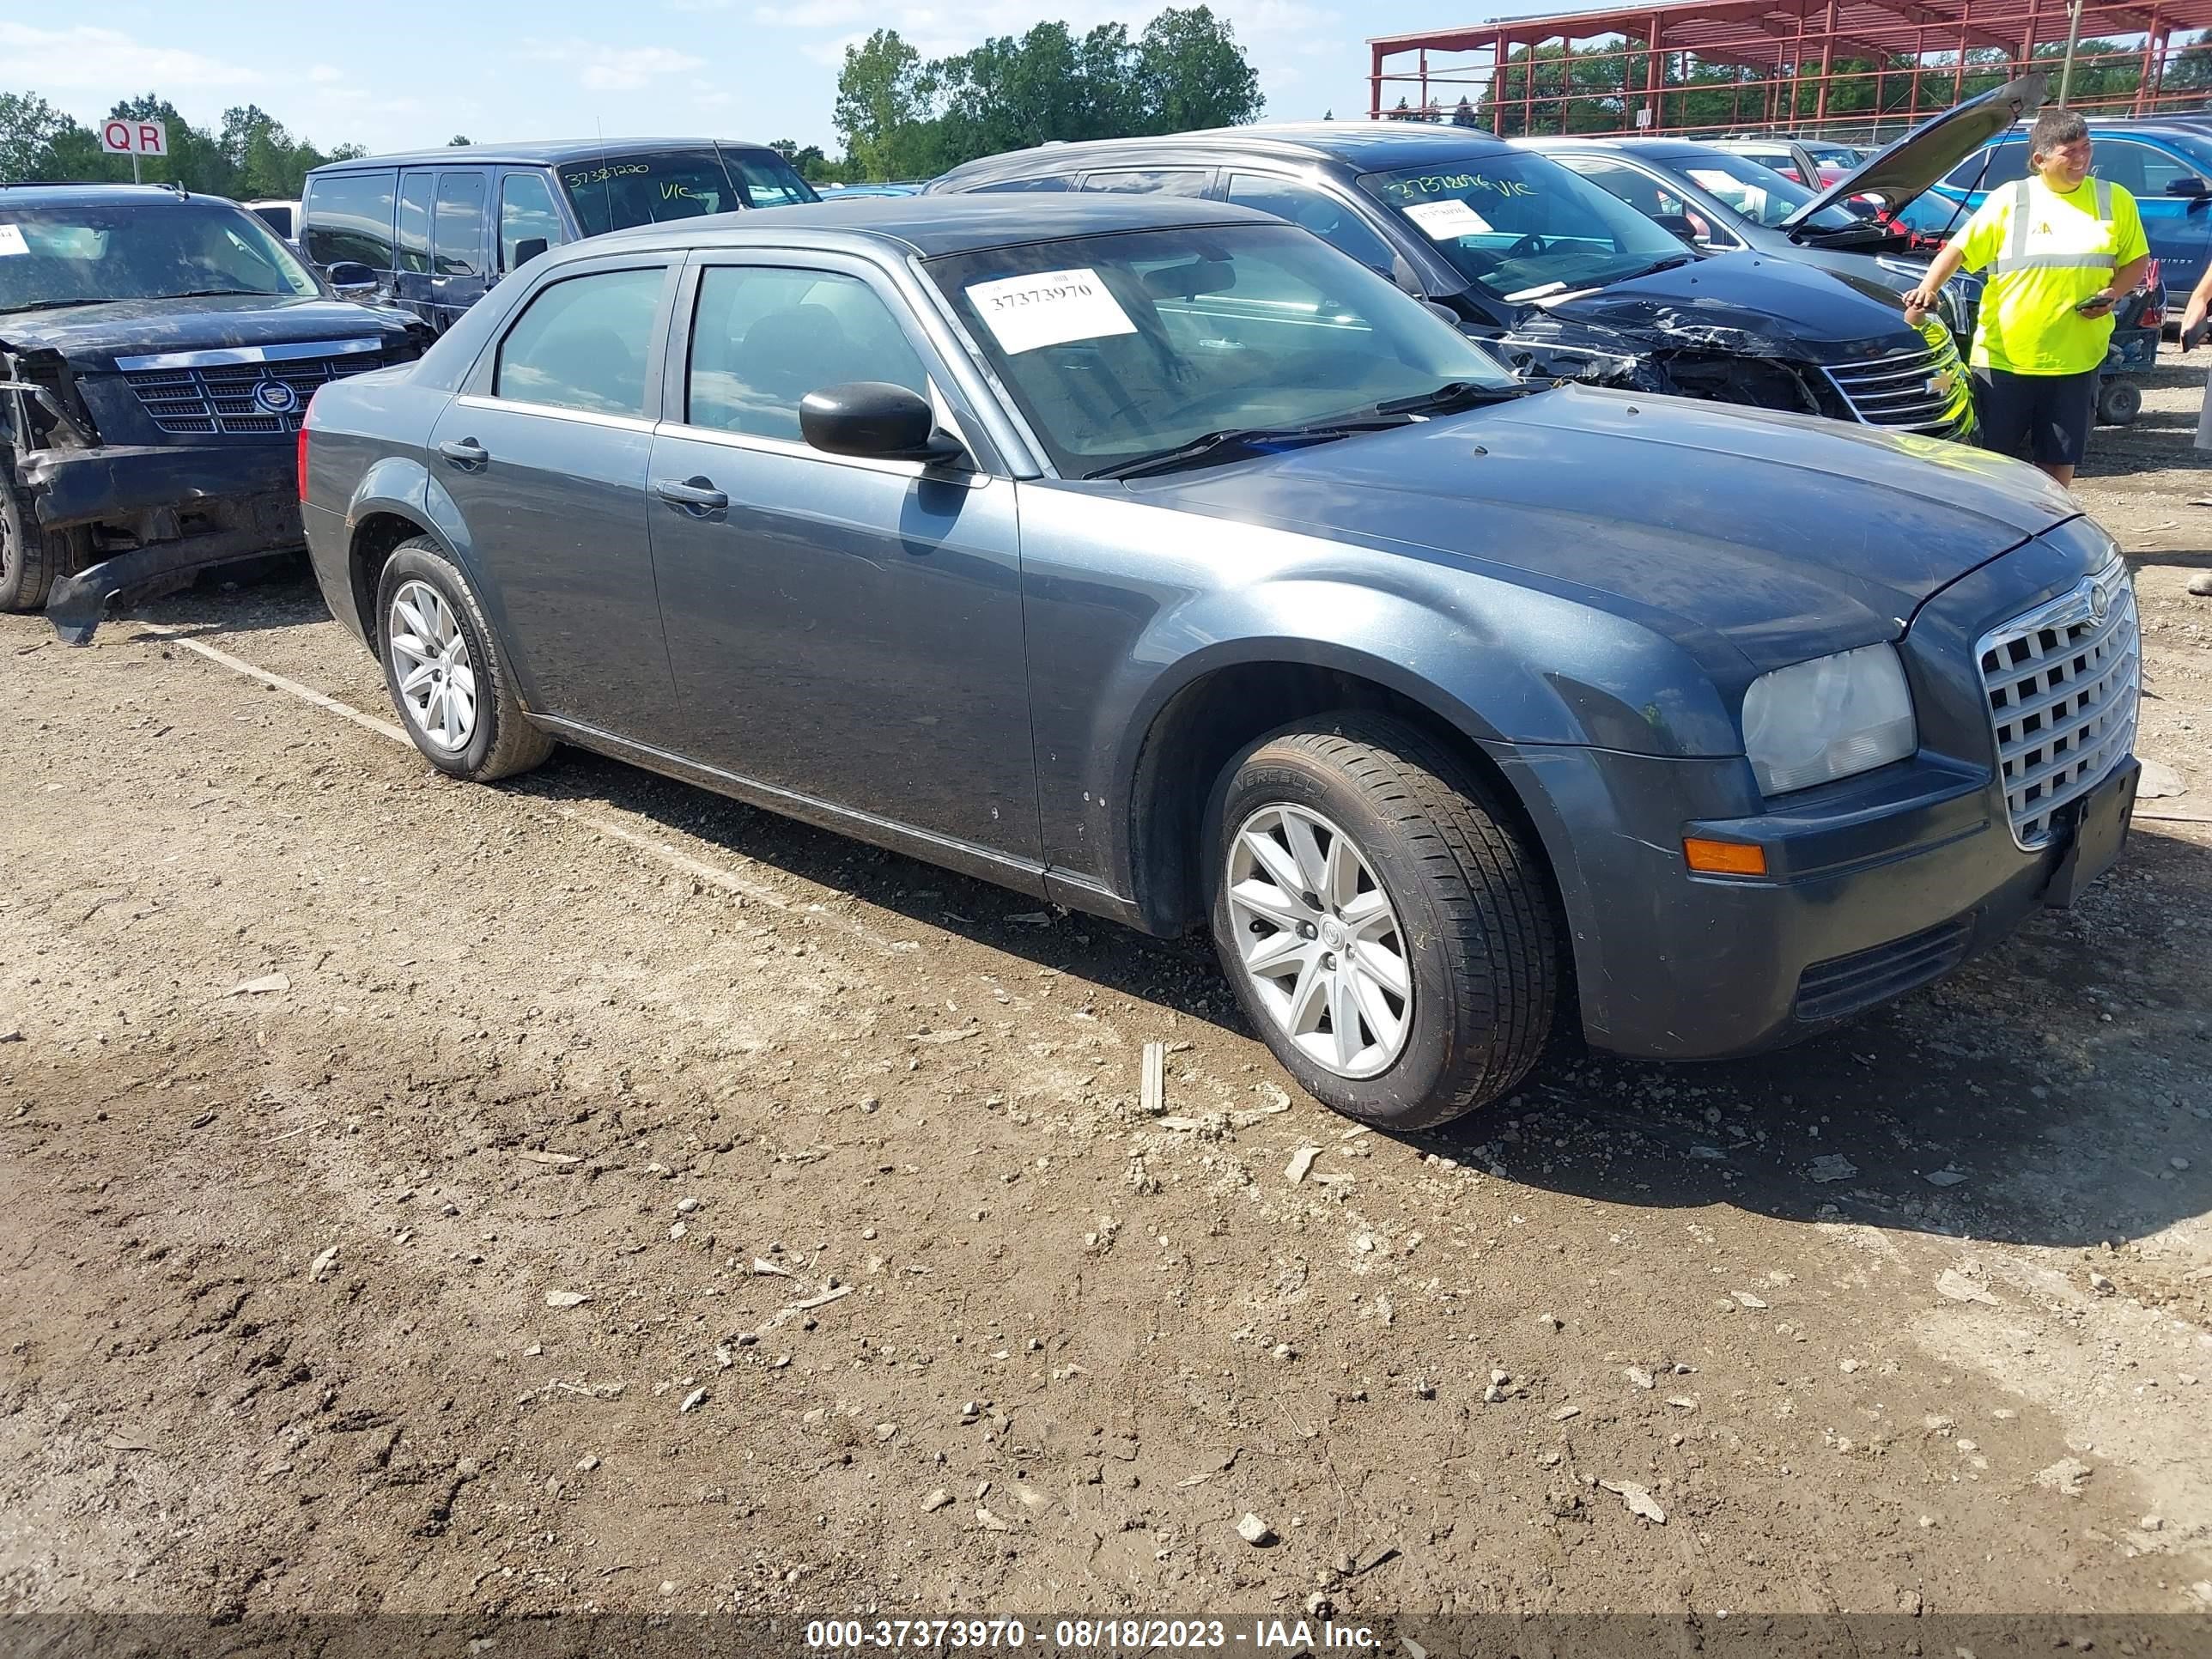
[(1874, 885), (1872, 890), (187, 507)]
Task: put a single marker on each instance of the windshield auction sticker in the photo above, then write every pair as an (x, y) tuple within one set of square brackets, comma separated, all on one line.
[(1442, 221), (11, 240), (1052, 307)]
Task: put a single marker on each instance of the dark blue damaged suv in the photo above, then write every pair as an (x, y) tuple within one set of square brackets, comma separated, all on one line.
[(1149, 555)]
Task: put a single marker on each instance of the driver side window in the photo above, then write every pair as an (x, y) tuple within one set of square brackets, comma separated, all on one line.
[(1317, 211), (764, 337), (1664, 206)]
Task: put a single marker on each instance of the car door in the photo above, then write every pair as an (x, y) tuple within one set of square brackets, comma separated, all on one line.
[(542, 458), (460, 243), (2178, 227), (530, 220), (411, 279), (847, 630)]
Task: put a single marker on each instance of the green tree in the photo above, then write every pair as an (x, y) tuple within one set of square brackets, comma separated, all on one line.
[(882, 102), (31, 130), (1193, 73), (459, 141)]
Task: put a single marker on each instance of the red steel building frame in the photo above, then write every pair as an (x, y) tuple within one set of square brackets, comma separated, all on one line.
[(1791, 45)]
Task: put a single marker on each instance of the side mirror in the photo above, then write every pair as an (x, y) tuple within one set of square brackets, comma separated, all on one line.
[(526, 250), (353, 281), (2188, 184), (875, 419)]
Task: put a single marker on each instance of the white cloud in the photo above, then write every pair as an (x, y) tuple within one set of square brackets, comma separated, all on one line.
[(814, 14), (326, 75), (88, 60), (622, 69)]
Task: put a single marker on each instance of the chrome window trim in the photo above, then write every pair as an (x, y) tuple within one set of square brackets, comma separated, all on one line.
[(225, 356), (722, 438), (585, 417)]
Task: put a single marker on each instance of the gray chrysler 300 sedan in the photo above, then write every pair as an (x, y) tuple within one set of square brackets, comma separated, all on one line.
[(1150, 557)]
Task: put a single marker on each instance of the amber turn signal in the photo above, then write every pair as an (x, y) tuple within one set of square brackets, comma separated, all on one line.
[(1723, 858)]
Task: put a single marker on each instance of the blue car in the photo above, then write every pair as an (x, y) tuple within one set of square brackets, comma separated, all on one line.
[(2165, 165)]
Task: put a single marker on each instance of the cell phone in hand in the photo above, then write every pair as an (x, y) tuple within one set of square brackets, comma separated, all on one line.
[(2095, 303), (2193, 336)]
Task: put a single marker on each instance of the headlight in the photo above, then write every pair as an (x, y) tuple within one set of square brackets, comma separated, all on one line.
[(1827, 718)]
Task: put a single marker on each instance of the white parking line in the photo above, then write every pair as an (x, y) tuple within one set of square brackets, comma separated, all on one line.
[(306, 694), (699, 869)]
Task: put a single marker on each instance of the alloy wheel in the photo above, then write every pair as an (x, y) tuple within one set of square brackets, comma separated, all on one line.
[(432, 667), (1318, 941)]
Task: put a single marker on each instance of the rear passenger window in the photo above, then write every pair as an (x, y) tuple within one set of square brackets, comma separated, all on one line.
[(1052, 181), (765, 336), (349, 218), (1317, 211), (417, 192), (1155, 181), (457, 240), (583, 343)]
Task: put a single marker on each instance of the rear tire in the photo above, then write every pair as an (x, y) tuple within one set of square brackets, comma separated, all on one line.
[(2118, 403), (1434, 888), (446, 675)]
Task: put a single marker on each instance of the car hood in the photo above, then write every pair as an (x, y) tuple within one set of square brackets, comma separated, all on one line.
[(1745, 537), (1908, 168), (1746, 304), (93, 336)]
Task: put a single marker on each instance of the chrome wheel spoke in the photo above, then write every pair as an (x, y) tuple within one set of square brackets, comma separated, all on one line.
[(1276, 954), (1305, 847), (1344, 1023), (1268, 903), (1278, 863), (1309, 999), (1363, 910), (1382, 1020), (419, 678), (1383, 964), (1340, 877)]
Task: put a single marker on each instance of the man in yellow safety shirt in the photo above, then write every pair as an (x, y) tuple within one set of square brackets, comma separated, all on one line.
[(2061, 248)]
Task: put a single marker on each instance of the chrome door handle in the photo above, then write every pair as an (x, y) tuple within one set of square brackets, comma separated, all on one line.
[(468, 452), (694, 495)]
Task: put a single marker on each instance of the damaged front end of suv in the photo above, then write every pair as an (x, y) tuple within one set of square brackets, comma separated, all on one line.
[(157, 355)]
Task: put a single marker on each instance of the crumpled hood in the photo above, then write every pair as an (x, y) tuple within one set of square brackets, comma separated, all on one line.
[(1743, 304), (93, 336), (1744, 537)]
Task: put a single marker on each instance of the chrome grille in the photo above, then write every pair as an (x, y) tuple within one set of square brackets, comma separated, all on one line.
[(220, 391), (2062, 682), (1923, 390)]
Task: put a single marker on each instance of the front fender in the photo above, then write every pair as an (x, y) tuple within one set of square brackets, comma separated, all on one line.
[(1131, 606)]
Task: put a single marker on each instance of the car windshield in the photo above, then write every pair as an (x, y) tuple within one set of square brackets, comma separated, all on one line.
[(1759, 193), (1122, 347), (613, 193), (57, 256), (1521, 227)]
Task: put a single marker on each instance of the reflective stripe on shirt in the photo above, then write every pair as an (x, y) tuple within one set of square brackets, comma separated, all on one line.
[(2016, 256)]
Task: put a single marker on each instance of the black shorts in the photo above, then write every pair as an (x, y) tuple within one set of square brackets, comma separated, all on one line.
[(2045, 417)]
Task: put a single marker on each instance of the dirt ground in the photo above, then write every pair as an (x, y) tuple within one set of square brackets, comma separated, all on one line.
[(330, 1081)]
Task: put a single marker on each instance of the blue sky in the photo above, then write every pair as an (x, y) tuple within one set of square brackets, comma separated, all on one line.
[(402, 73)]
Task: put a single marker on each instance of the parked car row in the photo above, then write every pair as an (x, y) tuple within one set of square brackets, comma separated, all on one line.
[(1081, 525)]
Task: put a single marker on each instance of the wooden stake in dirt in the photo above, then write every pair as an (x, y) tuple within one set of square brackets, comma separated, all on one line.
[(1154, 1100)]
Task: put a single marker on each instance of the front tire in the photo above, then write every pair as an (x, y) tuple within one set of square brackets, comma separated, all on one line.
[(1386, 924), (448, 677), (32, 559)]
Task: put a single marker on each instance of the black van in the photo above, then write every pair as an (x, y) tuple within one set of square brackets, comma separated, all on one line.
[(434, 229), (1566, 281)]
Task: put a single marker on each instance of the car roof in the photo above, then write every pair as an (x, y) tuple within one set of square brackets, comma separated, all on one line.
[(89, 195), (928, 226), (541, 152), (1658, 149), (1370, 146)]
